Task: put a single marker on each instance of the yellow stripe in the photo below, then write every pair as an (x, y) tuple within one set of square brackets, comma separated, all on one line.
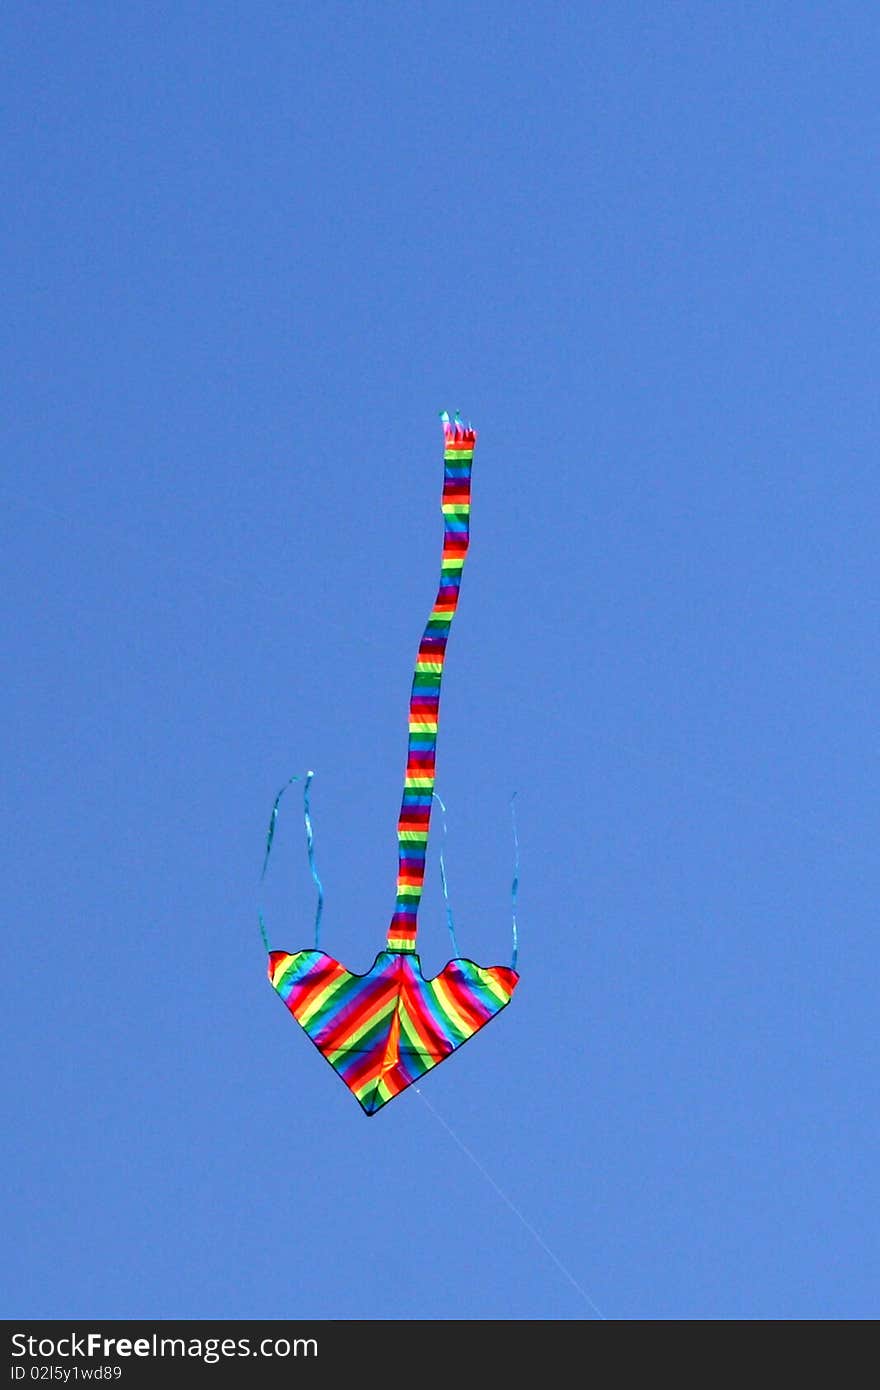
[(419, 782), (367, 1085), (385, 1091), (281, 969), (447, 1004)]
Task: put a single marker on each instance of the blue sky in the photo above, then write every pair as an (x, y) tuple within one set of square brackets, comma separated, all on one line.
[(249, 253)]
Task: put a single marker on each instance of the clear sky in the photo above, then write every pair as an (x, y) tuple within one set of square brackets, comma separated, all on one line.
[(249, 252)]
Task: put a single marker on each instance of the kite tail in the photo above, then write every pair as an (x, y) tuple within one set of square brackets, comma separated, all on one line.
[(424, 705), (310, 847)]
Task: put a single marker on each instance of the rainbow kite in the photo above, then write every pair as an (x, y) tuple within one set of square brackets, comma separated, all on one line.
[(382, 1031)]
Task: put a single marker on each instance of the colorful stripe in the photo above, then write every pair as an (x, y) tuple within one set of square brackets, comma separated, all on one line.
[(382, 1031), (424, 707)]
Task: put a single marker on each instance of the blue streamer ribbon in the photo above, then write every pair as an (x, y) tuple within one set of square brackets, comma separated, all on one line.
[(449, 918), (514, 890), (310, 847)]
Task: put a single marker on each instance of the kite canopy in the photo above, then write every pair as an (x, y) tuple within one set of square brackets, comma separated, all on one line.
[(382, 1031)]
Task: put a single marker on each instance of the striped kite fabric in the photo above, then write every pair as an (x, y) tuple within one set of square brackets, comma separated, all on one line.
[(382, 1031)]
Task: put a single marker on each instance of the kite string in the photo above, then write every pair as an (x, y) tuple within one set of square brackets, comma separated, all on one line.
[(513, 1207), (310, 847)]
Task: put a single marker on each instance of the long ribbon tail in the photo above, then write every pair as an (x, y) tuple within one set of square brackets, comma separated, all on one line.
[(273, 821), (310, 846), (514, 889), (424, 706), (450, 921)]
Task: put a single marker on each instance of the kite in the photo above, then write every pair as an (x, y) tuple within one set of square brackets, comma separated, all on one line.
[(382, 1031)]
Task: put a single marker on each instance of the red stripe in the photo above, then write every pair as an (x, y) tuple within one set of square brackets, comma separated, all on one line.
[(427, 1026), (369, 1070), (403, 925), (274, 958), (316, 980), (464, 1000), (395, 1080)]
